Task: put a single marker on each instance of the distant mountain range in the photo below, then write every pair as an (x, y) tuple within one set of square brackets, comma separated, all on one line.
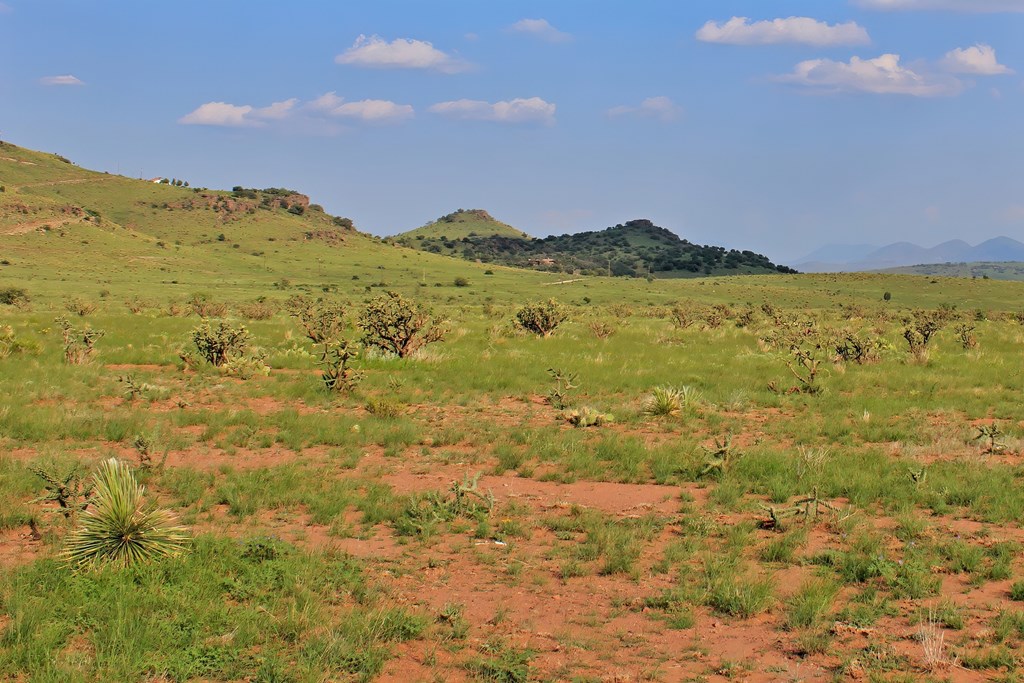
[(861, 257), (637, 248)]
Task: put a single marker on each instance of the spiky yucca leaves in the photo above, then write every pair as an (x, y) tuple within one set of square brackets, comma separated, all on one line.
[(121, 528), (666, 401), (663, 401)]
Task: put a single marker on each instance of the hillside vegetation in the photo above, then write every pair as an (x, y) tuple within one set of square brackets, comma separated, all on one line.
[(637, 248)]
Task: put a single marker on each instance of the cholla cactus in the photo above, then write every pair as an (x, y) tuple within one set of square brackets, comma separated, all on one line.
[(541, 318), (392, 323)]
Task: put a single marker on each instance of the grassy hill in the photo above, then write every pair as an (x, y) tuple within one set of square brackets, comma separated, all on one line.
[(637, 249), (464, 223), (68, 231)]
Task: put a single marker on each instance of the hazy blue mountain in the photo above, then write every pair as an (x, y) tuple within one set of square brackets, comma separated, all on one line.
[(833, 258)]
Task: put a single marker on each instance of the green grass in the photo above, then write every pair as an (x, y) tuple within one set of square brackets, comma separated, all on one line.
[(202, 615)]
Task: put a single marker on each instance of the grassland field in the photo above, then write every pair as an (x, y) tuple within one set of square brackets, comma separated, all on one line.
[(716, 516)]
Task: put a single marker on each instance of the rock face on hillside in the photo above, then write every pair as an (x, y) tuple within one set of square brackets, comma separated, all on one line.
[(241, 202)]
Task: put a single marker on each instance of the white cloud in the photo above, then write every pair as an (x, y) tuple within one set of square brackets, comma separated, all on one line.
[(881, 76), (951, 5), (277, 110), (60, 80), (400, 53), (308, 117), (530, 110), (740, 31), (326, 102), (540, 28), (375, 111), (980, 60), (371, 111), (219, 114), (659, 108)]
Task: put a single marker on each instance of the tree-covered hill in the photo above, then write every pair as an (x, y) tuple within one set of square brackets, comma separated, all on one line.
[(637, 248)]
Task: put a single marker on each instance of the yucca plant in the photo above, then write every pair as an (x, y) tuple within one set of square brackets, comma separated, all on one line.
[(120, 528), (666, 401)]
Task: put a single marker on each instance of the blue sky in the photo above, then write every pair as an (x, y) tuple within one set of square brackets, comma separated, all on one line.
[(773, 126)]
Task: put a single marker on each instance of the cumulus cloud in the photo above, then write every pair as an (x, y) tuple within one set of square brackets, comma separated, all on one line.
[(401, 53), (882, 75), (310, 116), (238, 115), (540, 28), (950, 5), (277, 110), (67, 79), (658, 108), (741, 31), (519, 110), (219, 114), (370, 111), (980, 60)]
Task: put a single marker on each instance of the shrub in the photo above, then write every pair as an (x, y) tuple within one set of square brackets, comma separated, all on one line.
[(919, 329), (13, 296), (541, 318), (218, 346), (79, 344), (324, 322), (565, 382), (601, 329), (201, 305), (79, 306), (260, 309), (321, 320), (803, 348), (10, 345), (461, 282), (383, 407), (337, 375), (121, 528), (392, 323)]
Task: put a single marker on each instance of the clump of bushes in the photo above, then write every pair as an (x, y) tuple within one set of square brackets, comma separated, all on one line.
[(13, 296), (324, 325), (260, 309), (396, 325), (79, 344), (79, 306), (541, 318), (204, 307), (228, 347)]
